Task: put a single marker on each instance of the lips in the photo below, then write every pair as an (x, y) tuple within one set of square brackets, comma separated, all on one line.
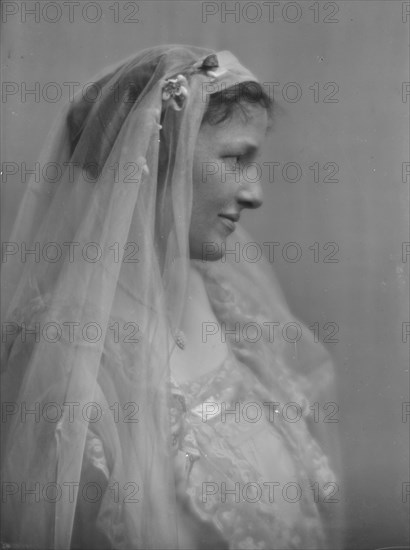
[(229, 220), (233, 217)]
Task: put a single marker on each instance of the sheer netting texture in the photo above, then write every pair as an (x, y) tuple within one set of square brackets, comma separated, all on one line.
[(87, 316)]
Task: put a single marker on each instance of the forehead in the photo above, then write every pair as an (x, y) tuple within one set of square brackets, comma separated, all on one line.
[(240, 129)]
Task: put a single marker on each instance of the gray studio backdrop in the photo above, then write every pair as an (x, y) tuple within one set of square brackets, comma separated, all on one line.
[(335, 181)]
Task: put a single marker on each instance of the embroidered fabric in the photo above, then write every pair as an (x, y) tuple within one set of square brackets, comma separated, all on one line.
[(240, 475), (236, 477), (126, 183)]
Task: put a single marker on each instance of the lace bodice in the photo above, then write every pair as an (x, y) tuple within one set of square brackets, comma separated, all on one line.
[(234, 467), (241, 481)]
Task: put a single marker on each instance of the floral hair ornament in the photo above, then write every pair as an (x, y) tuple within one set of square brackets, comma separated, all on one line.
[(175, 91), (210, 65)]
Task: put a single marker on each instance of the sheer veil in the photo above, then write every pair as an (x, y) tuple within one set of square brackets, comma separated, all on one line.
[(88, 313)]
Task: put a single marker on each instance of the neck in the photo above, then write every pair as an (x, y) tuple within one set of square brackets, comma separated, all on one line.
[(197, 307), (204, 349)]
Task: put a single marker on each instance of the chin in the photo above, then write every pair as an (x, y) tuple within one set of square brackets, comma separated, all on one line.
[(208, 250), (208, 255)]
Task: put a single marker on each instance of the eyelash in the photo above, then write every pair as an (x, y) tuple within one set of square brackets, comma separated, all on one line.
[(236, 158)]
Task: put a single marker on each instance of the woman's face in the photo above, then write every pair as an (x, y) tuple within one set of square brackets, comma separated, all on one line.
[(222, 185)]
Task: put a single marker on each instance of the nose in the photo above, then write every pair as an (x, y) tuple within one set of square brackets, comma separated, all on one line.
[(250, 194)]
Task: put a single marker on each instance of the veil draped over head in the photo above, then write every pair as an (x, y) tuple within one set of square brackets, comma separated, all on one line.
[(95, 278)]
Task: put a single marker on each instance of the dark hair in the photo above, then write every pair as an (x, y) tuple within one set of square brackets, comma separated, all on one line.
[(222, 104)]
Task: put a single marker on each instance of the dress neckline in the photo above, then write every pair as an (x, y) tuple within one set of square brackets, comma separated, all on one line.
[(208, 375)]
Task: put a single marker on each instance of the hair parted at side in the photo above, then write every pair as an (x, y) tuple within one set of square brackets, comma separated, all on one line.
[(224, 103)]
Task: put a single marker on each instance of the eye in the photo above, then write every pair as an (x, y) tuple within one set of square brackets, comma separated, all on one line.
[(233, 161)]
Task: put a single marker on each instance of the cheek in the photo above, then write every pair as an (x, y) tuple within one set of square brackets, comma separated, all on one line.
[(207, 197)]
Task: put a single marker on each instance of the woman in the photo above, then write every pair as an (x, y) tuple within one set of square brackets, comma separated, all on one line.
[(126, 338)]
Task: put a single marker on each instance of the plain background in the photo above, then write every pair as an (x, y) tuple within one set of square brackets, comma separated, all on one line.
[(365, 212)]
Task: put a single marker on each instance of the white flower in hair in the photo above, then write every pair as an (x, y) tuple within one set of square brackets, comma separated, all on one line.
[(175, 91)]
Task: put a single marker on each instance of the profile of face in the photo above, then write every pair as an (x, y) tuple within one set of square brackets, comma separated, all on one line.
[(222, 186)]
